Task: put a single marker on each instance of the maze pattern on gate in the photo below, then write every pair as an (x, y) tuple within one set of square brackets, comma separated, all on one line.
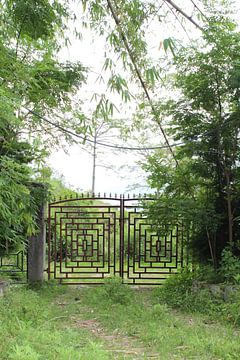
[(82, 243), (13, 262), (151, 255)]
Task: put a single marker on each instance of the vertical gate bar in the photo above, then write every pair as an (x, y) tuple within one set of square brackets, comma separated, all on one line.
[(109, 242), (128, 240), (177, 245), (182, 245), (55, 241), (60, 255), (187, 247), (121, 237), (114, 242), (49, 241), (116, 239), (26, 253)]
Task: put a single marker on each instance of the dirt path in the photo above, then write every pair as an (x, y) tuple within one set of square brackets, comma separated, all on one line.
[(116, 343), (121, 346)]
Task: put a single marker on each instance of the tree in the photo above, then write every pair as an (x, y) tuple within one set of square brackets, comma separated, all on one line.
[(31, 78), (204, 187)]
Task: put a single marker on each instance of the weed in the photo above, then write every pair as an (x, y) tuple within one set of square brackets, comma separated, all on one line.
[(178, 292), (117, 292), (230, 267), (45, 323)]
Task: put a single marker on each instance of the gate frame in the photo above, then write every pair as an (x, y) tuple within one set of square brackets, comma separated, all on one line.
[(122, 241)]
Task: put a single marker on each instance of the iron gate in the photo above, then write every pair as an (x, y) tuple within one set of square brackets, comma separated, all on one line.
[(93, 238), (14, 265)]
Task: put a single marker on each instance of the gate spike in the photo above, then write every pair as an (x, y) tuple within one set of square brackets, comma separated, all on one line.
[(60, 198), (123, 196), (128, 196), (93, 194), (104, 195), (110, 195), (99, 195), (87, 194), (134, 196), (115, 196), (139, 195), (145, 195)]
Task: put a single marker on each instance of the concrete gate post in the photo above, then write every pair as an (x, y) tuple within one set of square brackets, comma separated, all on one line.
[(37, 242)]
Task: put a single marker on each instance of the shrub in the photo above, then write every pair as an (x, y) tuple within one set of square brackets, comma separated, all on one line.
[(117, 292), (179, 292), (176, 289), (230, 267)]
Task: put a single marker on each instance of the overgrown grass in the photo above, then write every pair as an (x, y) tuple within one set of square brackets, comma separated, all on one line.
[(34, 325), (178, 292), (173, 335), (41, 324)]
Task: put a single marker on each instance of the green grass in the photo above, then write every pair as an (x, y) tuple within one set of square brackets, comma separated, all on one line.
[(44, 323)]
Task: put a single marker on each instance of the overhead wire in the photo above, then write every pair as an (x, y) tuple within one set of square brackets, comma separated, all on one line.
[(85, 139), (119, 147)]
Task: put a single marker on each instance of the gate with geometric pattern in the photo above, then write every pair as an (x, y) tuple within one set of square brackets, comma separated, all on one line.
[(93, 238)]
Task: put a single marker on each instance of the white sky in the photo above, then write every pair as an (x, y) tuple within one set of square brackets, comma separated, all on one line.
[(76, 166)]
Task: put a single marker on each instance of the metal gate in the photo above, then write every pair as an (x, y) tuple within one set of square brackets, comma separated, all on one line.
[(13, 265), (94, 238)]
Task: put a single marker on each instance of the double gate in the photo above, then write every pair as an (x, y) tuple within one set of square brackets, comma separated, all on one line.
[(91, 239)]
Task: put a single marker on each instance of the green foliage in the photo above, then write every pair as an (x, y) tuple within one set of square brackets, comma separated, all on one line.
[(31, 79), (197, 293), (203, 189), (176, 290), (118, 84), (36, 19), (40, 327), (230, 267), (169, 44), (15, 211), (52, 322), (51, 82), (117, 292)]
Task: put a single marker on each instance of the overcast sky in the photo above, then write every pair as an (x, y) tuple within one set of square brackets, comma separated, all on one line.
[(76, 166), (114, 172)]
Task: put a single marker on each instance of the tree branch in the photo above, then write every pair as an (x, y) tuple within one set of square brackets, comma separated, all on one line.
[(178, 9), (176, 17), (138, 73), (198, 8)]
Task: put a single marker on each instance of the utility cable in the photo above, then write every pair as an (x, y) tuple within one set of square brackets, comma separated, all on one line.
[(118, 147)]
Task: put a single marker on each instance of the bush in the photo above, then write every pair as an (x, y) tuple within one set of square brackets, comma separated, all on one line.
[(117, 292), (176, 289), (230, 267), (180, 292)]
